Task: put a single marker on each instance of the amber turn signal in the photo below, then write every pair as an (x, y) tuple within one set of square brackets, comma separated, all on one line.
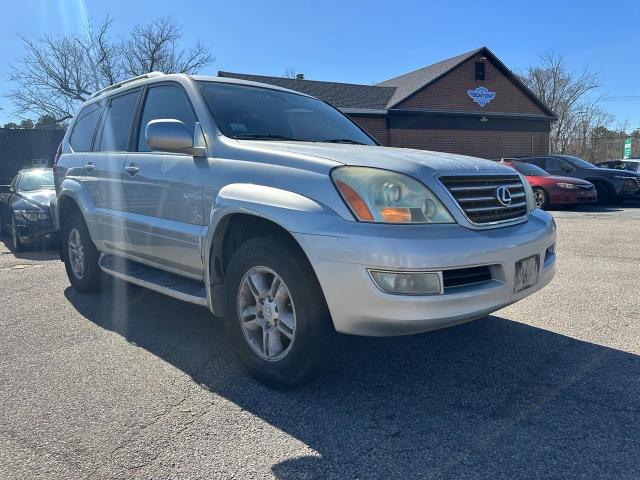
[(354, 201), (396, 215)]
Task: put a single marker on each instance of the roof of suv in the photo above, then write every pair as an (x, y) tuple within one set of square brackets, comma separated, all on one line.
[(154, 77)]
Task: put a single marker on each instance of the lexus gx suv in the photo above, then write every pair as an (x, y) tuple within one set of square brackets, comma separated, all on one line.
[(275, 211)]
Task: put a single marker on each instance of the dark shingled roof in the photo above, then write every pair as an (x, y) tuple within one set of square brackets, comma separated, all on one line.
[(387, 94), (341, 95), (411, 82)]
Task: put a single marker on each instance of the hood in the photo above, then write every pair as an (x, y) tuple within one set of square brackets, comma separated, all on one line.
[(616, 171), (404, 160), (39, 198), (575, 181)]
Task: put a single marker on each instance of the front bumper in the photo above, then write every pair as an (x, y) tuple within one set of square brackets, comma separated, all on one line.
[(571, 197), (34, 231), (359, 307)]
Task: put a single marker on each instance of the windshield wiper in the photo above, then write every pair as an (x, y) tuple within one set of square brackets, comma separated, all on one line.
[(341, 140), (263, 136)]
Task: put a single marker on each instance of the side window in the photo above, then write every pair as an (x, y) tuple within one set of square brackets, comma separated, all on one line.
[(553, 164), (165, 101), (117, 123), (84, 128)]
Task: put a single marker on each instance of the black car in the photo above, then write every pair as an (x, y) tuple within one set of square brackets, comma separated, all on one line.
[(612, 185), (24, 207)]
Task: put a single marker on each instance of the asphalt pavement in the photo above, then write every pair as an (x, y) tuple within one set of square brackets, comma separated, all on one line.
[(131, 384)]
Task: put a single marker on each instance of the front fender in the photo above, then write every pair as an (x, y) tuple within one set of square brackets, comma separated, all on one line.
[(291, 211)]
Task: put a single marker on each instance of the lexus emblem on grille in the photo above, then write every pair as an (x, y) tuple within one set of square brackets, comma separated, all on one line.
[(503, 195)]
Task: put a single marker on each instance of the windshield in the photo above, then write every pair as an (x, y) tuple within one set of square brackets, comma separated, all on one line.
[(529, 169), (578, 162), (36, 180), (255, 113)]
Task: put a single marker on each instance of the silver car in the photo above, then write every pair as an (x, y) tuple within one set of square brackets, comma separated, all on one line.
[(273, 209)]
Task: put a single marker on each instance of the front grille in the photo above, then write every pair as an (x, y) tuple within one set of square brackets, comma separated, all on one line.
[(477, 196), (638, 181), (586, 187), (465, 276)]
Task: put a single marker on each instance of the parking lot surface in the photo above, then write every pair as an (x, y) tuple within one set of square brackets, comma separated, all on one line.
[(132, 384)]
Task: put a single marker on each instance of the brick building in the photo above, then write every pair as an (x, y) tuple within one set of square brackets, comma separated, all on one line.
[(470, 104)]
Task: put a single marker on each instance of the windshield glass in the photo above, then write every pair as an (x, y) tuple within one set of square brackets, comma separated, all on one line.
[(529, 169), (633, 166), (578, 162), (36, 180), (255, 113)]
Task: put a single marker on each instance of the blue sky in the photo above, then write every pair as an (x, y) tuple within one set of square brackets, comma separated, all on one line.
[(366, 42)]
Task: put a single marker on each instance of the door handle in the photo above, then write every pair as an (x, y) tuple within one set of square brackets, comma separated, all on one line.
[(131, 169), (89, 166)]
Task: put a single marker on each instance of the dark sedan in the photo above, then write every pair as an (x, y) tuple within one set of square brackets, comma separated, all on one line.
[(24, 207)]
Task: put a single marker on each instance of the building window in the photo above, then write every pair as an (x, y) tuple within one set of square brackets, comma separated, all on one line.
[(479, 70)]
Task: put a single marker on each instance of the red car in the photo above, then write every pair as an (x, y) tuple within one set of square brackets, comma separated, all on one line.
[(553, 190)]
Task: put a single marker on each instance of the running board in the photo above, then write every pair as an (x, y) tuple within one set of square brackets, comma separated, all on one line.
[(176, 286)]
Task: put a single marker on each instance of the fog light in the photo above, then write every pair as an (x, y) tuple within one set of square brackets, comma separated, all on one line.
[(408, 283)]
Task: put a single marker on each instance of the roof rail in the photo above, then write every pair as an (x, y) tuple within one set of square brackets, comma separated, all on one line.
[(124, 82)]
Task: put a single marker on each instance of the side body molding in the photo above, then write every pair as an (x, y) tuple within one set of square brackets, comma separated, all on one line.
[(293, 212)]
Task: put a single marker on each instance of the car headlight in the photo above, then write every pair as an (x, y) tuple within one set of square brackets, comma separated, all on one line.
[(567, 186), (376, 195), (33, 215)]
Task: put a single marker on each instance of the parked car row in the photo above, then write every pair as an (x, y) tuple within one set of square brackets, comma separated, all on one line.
[(568, 180)]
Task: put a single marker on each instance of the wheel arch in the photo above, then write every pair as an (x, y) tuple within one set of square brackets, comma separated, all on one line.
[(245, 211)]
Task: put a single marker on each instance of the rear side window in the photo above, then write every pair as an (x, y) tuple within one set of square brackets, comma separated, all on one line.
[(85, 127), (165, 101), (117, 123)]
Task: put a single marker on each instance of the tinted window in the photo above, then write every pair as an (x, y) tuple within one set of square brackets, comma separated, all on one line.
[(117, 123), (254, 113), (82, 135), (166, 101), (36, 180), (529, 169), (479, 70), (578, 162), (553, 164)]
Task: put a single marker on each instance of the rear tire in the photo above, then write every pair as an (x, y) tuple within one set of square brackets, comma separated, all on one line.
[(80, 255), (541, 198), (294, 310)]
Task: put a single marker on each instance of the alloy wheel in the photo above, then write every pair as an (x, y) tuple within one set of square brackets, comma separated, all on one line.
[(76, 253), (266, 313)]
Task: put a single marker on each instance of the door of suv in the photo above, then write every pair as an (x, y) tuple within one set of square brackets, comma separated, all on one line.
[(163, 191), (103, 169)]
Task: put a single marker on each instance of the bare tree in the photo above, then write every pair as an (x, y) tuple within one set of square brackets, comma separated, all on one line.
[(57, 73), (565, 92), (289, 73), (154, 47)]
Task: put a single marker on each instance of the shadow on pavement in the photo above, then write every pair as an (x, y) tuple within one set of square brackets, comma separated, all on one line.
[(489, 399), (37, 251)]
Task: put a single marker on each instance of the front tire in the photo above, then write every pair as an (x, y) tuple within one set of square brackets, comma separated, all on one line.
[(80, 255), (18, 246), (605, 194), (541, 198), (276, 314)]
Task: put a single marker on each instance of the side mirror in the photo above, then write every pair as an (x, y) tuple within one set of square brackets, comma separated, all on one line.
[(169, 135)]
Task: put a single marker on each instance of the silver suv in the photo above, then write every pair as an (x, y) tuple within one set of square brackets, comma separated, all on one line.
[(273, 209)]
